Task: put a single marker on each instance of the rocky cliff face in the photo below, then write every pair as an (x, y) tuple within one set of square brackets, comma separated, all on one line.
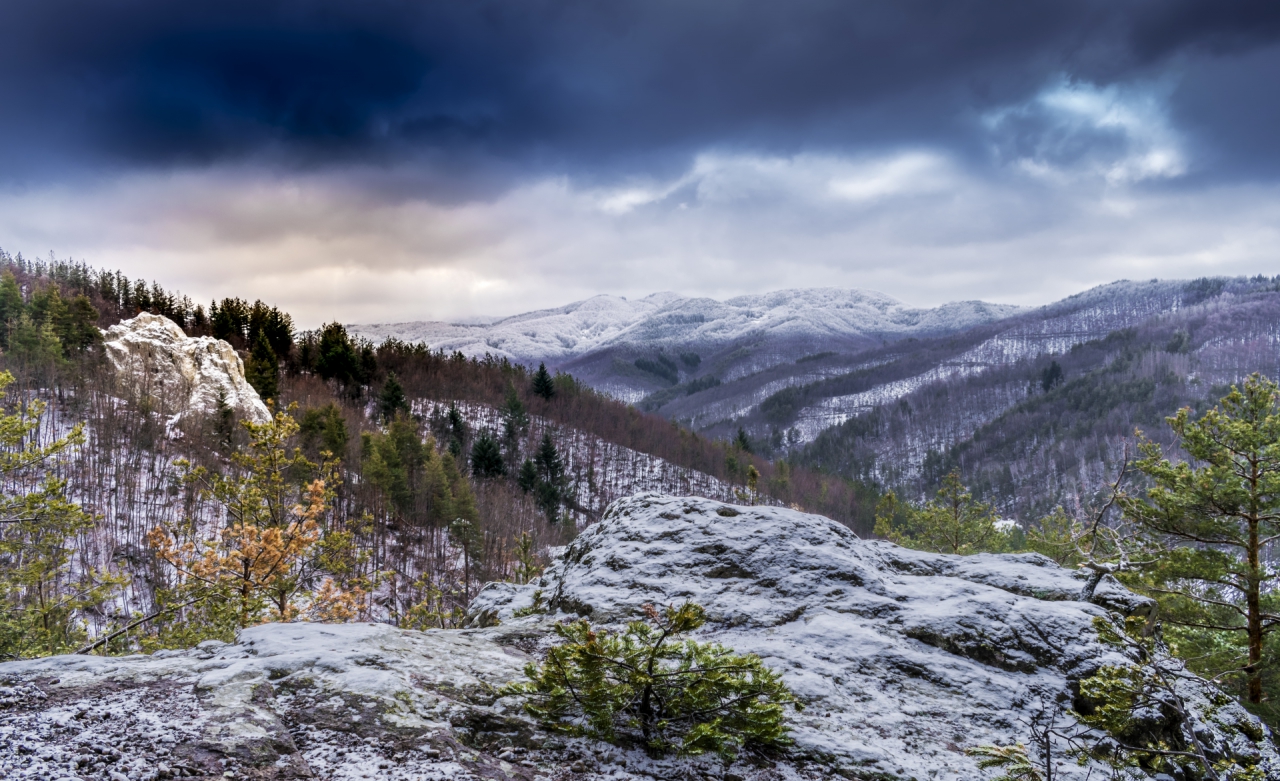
[(903, 659), (155, 358)]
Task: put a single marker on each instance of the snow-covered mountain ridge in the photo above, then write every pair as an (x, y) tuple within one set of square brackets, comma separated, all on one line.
[(667, 319)]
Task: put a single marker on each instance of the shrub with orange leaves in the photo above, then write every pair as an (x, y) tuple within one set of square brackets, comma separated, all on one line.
[(267, 563)]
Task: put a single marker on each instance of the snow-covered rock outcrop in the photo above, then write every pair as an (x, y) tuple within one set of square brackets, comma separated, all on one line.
[(902, 658), (155, 358), (284, 701)]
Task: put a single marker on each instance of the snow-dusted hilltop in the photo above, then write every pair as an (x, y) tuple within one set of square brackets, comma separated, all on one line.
[(667, 319), (902, 658), (679, 340), (154, 357)]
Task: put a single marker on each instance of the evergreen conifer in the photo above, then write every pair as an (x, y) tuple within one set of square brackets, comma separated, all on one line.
[(41, 591), (552, 488), (543, 385), (11, 306), (392, 398), (324, 429), (528, 477), (263, 370), (648, 683), (1216, 516), (486, 458), (336, 355), (953, 522)]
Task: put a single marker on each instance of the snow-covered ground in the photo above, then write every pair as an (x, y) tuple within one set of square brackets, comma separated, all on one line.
[(903, 658)]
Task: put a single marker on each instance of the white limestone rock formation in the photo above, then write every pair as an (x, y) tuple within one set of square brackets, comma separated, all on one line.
[(154, 358)]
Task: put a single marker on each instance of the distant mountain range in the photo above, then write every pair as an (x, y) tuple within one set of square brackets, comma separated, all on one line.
[(857, 383), (600, 339)]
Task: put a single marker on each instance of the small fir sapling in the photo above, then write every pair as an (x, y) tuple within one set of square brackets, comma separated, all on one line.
[(648, 685), (952, 522)]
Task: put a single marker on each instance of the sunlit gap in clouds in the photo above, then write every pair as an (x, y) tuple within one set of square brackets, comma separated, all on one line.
[(1073, 129)]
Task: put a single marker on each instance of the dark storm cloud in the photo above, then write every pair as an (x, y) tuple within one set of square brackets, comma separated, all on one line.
[(592, 86)]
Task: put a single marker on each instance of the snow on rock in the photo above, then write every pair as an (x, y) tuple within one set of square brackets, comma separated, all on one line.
[(903, 657), (318, 701), (185, 374), (284, 701)]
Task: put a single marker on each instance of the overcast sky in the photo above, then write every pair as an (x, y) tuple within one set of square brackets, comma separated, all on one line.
[(391, 160)]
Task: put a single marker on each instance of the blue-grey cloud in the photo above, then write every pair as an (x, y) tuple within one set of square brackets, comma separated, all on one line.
[(594, 88)]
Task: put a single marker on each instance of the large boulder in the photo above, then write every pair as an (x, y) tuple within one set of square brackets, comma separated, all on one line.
[(155, 359), (905, 658)]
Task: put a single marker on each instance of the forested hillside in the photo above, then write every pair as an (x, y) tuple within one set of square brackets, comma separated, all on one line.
[(1050, 426), (441, 472)]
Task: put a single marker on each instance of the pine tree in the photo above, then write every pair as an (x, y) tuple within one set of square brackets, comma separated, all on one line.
[(35, 345), (42, 596), (12, 306), (1051, 377), (649, 683), (515, 422), (486, 458), (80, 331), (543, 385), (336, 355), (528, 477), (391, 464), (952, 522), (392, 399), (264, 561), (552, 488), (742, 441), (459, 432), (263, 370), (1217, 514), (324, 430)]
